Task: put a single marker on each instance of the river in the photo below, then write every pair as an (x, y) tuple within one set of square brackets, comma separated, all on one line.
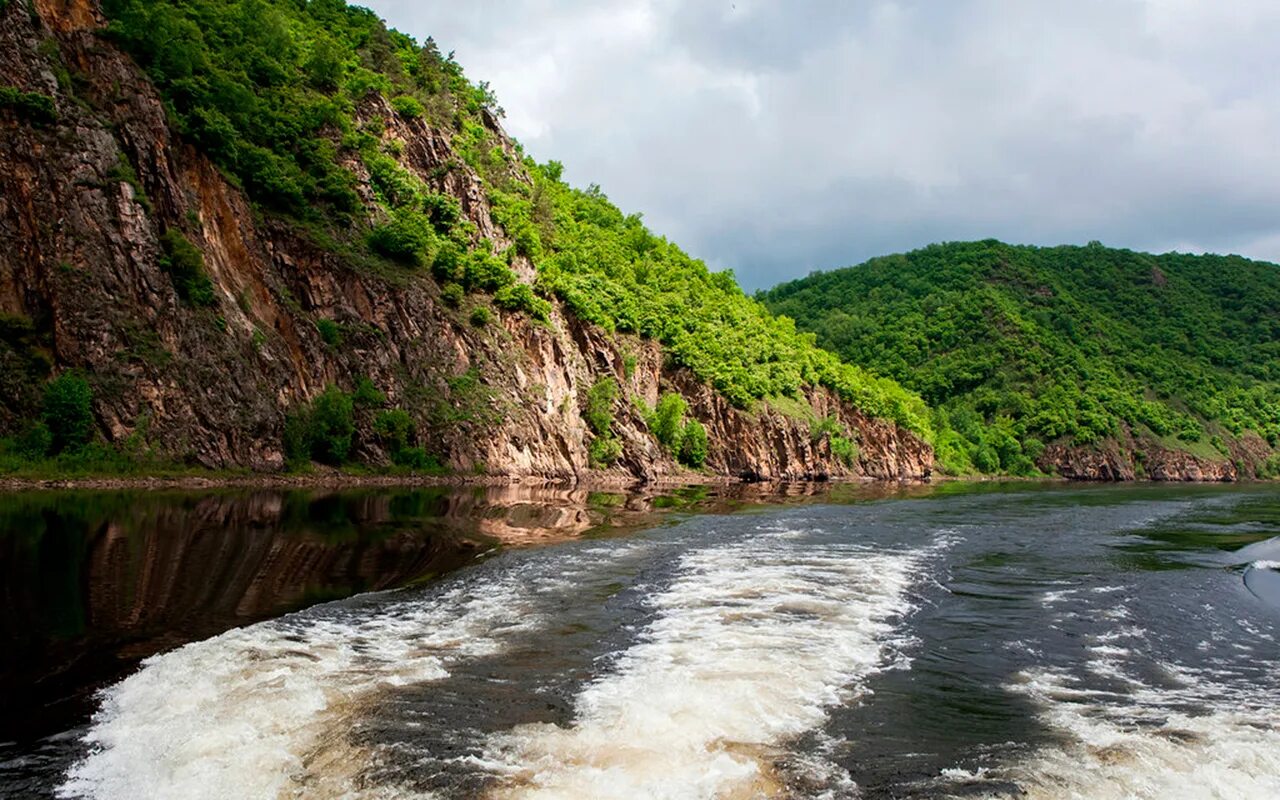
[(997, 640)]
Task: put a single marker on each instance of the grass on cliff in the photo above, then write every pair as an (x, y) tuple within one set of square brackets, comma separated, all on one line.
[(1019, 346)]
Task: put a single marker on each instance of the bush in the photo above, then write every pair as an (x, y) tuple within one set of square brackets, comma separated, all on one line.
[(665, 422), (395, 429), (331, 426), (487, 272), (297, 439), (68, 412), (366, 394), (520, 297), (407, 239), (480, 316), (330, 332), (446, 265), (452, 295), (35, 442), (827, 426), (604, 450), (185, 266), (846, 450), (416, 459), (407, 106), (693, 444), (36, 109), (443, 210), (599, 410)]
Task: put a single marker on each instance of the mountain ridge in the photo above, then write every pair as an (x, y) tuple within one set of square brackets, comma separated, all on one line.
[(1086, 361)]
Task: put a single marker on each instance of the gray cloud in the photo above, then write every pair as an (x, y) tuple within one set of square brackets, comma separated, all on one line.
[(779, 137)]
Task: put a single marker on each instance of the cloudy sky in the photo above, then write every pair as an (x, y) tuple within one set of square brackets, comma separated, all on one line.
[(776, 138)]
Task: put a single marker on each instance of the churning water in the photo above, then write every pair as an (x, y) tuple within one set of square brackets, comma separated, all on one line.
[(1056, 642)]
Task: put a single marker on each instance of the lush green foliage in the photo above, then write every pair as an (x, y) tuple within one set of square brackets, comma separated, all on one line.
[(398, 433), (262, 85), (686, 440), (599, 407), (272, 91), (844, 449), (185, 266), (666, 419), (330, 332), (322, 432), (68, 414), (604, 450), (693, 444), (37, 109), (1017, 346), (598, 412), (610, 270)]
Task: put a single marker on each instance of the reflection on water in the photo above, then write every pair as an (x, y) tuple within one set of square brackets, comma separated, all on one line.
[(982, 641), (92, 582)]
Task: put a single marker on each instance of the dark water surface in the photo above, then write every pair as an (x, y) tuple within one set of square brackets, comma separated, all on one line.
[(958, 641)]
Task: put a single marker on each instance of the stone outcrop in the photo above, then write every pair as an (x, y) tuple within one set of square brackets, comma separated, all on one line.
[(1138, 458), (84, 201)]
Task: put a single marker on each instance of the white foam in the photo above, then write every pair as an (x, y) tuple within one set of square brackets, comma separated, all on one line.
[(262, 711), (751, 644), (1145, 744), (1266, 565)]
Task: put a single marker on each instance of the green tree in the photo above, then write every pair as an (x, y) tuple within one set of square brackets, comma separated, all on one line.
[(693, 444), (68, 412)]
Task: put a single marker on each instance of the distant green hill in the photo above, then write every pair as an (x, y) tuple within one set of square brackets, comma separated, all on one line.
[(1016, 347)]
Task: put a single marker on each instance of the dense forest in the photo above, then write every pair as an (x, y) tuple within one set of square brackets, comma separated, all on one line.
[(1015, 347), (268, 89)]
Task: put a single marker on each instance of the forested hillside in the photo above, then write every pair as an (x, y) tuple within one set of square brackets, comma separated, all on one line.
[(1088, 348), (391, 237)]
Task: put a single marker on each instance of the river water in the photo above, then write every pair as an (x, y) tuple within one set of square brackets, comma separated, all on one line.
[(1041, 641)]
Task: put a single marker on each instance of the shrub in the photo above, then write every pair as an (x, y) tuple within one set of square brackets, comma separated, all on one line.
[(486, 271), (407, 106), (416, 459), (446, 266), (330, 332), (520, 297), (366, 394), (693, 444), (331, 426), (480, 316), (599, 411), (406, 239), (443, 210), (297, 439), (846, 450), (604, 450), (452, 295), (35, 442), (665, 422), (37, 109), (185, 266), (394, 428), (68, 412), (827, 426)]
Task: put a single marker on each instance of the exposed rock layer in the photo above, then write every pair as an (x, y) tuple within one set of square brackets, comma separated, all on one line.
[(83, 203)]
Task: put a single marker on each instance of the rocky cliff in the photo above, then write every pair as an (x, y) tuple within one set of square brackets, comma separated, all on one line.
[(87, 193)]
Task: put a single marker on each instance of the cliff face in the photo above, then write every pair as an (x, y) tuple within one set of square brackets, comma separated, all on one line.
[(1136, 457), (84, 201)]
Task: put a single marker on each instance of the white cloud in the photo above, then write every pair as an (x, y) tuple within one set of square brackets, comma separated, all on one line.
[(777, 137)]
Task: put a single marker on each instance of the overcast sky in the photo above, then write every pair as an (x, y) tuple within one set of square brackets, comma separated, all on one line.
[(775, 138)]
